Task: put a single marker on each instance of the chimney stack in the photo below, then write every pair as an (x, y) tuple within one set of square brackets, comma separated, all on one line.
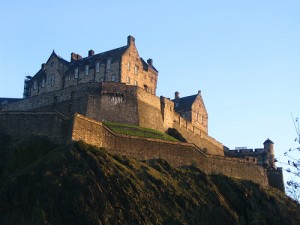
[(91, 53), (199, 92), (43, 66), (150, 62), (79, 57), (130, 40), (75, 56)]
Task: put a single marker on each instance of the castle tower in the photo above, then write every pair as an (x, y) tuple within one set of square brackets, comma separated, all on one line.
[(269, 148)]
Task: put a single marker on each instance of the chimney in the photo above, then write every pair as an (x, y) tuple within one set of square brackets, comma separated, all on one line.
[(150, 62), (199, 92), (91, 53), (43, 66), (79, 57), (73, 56), (130, 40), (177, 95)]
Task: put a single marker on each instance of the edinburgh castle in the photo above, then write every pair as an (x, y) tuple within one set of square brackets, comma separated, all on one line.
[(71, 100)]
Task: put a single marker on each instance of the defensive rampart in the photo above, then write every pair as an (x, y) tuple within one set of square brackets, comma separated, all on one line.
[(176, 153), (51, 124)]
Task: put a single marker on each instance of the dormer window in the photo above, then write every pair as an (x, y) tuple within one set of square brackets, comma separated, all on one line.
[(76, 73), (86, 70), (136, 70), (108, 64), (97, 67)]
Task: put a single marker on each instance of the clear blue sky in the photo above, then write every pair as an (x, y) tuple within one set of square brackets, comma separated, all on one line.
[(243, 54)]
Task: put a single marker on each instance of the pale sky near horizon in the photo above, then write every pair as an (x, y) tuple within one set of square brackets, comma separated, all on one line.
[(242, 54)]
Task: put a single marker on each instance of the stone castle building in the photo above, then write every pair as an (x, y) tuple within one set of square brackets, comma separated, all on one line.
[(120, 86)]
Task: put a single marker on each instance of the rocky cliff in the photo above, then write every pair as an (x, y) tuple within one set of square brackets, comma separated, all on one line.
[(43, 183)]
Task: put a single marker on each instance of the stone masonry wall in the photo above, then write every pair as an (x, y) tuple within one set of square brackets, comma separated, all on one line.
[(176, 153), (194, 135), (52, 99), (51, 124)]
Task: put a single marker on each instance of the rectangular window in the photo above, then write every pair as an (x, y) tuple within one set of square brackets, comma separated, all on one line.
[(136, 70), (43, 82), (108, 66), (97, 67), (52, 80), (113, 77), (86, 70), (34, 85), (128, 66), (76, 73), (128, 80)]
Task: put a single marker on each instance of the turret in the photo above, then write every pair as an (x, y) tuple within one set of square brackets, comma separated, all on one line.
[(269, 148)]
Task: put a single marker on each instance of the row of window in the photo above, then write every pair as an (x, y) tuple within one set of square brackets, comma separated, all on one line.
[(108, 67), (51, 79)]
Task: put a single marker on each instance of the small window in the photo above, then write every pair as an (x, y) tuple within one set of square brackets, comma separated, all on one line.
[(113, 77), (34, 85), (128, 66), (97, 67), (86, 70), (128, 80), (52, 64), (76, 73), (43, 82), (136, 70), (108, 64), (135, 83), (52, 80)]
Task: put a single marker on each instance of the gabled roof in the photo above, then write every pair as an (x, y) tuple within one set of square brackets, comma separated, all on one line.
[(60, 59), (185, 103), (4, 101)]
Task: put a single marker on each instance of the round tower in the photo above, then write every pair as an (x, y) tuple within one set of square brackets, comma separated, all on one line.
[(269, 148)]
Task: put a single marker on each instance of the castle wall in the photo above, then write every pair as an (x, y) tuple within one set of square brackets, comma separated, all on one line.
[(53, 125), (52, 100), (275, 178), (195, 135), (167, 109), (149, 111), (176, 153)]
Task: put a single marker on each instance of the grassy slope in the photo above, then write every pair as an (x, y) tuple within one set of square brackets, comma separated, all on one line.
[(81, 184), (133, 130)]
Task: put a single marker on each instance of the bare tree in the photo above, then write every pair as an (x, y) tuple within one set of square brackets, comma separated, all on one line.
[(293, 163)]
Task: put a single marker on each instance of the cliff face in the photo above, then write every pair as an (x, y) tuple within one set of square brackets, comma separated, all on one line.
[(41, 183)]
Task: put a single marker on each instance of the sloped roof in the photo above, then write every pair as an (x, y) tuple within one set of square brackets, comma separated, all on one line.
[(268, 141), (4, 101), (60, 59), (185, 103), (114, 54)]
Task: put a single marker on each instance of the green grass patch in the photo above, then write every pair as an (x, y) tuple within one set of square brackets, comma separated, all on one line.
[(133, 130)]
